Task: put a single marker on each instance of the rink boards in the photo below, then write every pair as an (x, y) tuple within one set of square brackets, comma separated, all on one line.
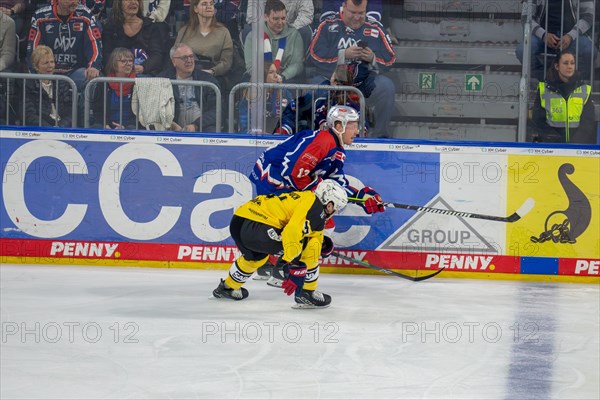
[(126, 198)]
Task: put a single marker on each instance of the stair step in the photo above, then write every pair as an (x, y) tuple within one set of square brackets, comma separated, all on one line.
[(457, 105), (436, 81), (455, 53), (470, 30), (456, 131), (451, 7)]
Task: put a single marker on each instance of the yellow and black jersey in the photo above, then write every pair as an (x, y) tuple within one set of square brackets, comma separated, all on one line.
[(297, 215)]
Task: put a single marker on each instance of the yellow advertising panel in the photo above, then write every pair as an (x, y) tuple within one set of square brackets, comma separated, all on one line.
[(566, 219)]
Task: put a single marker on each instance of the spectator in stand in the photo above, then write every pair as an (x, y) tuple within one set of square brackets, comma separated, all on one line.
[(351, 39), (156, 10), (563, 111), (115, 101), (8, 43), (95, 6), (7, 57), (282, 44), (209, 39), (332, 8), (300, 14), (276, 100), (128, 27), (568, 27), (47, 102), (344, 75), (15, 9), (377, 11), (228, 13), (70, 30), (195, 106)]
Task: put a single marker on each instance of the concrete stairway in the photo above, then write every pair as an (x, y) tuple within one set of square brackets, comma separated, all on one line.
[(456, 72)]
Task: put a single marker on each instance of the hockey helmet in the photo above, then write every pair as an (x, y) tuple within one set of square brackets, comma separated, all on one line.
[(329, 190), (342, 114)]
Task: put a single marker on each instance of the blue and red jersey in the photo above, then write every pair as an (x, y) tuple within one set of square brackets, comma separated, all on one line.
[(333, 35), (75, 42), (300, 162), (302, 111)]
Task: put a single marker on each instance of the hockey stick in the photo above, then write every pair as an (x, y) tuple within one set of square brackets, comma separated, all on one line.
[(517, 215), (387, 271)]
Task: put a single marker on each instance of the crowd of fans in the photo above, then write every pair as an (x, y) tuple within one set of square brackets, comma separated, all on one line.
[(207, 40), (138, 38)]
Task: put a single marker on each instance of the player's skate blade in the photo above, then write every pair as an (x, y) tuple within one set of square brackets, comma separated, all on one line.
[(263, 273), (277, 277)]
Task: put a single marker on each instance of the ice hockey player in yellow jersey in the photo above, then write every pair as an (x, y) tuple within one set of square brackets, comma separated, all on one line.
[(291, 226)]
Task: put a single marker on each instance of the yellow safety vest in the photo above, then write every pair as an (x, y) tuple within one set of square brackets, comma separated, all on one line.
[(561, 113)]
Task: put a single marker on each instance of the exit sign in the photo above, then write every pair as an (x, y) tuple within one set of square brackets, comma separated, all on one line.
[(426, 80), (473, 82)]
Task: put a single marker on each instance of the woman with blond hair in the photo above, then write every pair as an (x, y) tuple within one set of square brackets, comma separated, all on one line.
[(209, 40), (47, 102)]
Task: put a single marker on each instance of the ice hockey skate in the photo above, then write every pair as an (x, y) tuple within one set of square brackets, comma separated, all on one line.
[(277, 276), (312, 299), (263, 273), (224, 292)]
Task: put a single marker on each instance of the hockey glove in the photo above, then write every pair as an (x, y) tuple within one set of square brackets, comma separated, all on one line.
[(373, 202), (326, 247), (295, 279)]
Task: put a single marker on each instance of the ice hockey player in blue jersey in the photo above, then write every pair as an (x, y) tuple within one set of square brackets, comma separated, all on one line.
[(305, 159)]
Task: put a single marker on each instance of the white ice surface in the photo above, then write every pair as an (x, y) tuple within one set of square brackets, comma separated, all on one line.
[(94, 332)]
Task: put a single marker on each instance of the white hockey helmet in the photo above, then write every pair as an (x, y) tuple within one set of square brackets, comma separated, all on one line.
[(329, 190), (343, 114)]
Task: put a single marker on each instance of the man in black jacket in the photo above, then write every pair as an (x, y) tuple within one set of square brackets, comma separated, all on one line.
[(195, 106)]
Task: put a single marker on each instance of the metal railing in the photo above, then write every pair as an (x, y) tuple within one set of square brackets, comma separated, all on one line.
[(90, 96), (318, 92), (7, 79), (525, 76)]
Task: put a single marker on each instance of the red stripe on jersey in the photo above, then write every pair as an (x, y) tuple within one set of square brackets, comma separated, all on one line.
[(387, 45), (310, 157), (339, 156), (95, 51)]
